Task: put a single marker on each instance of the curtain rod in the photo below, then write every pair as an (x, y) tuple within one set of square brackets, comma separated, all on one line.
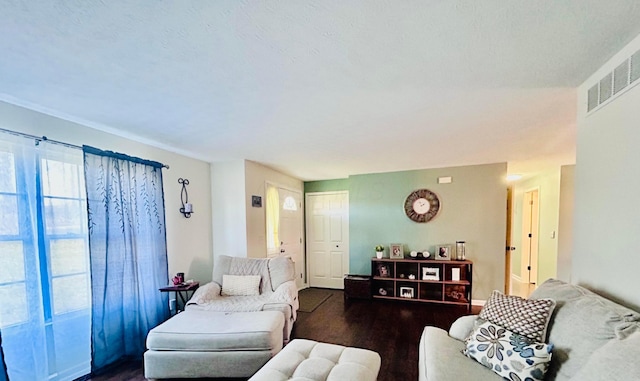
[(45, 139)]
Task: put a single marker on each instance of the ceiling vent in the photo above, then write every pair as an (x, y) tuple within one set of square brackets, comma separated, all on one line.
[(612, 84)]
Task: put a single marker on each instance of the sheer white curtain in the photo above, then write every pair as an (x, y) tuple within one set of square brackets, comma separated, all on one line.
[(44, 279)]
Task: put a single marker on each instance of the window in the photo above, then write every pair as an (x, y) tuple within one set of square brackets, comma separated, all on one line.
[(44, 267)]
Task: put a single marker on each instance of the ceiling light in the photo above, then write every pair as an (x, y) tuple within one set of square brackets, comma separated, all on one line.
[(514, 177)]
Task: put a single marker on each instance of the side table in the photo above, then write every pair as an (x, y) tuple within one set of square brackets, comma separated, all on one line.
[(182, 291), (357, 286)]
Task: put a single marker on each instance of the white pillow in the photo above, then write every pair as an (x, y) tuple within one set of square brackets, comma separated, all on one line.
[(240, 285)]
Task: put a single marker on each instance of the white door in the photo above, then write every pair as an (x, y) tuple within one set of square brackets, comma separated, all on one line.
[(290, 232), (327, 217), (529, 258)]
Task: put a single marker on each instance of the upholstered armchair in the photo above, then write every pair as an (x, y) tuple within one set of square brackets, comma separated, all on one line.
[(251, 284)]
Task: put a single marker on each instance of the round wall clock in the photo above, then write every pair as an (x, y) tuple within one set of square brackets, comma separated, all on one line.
[(422, 205)]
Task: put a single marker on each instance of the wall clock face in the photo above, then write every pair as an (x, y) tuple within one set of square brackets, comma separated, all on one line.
[(421, 205)]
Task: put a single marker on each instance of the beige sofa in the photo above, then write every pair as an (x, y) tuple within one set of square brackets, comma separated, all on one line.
[(278, 290), (593, 337)]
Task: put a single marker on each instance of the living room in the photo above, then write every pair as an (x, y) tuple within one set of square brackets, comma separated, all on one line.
[(593, 223)]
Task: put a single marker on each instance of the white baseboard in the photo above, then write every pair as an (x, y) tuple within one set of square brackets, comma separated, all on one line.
[(478, 302)]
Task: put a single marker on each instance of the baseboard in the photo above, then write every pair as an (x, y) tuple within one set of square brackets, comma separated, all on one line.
[(478, 302)]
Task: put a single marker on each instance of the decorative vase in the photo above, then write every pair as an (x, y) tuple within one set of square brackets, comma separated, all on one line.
[(379, 254), (460, 250)]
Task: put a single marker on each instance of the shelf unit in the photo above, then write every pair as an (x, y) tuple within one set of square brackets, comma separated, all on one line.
[(422, 280)]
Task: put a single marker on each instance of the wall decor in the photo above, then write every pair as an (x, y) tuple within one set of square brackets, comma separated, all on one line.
[(187, 208), (421, 205), (430, 273), (256, 201), (443, 252), (396, 251)]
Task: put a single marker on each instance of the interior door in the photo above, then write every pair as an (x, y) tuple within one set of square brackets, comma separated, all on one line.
[(530, 236), (290, 232), (327, 218)]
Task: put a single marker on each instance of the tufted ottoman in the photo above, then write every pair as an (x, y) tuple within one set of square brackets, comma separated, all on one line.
[(195, 344), (309, 361)]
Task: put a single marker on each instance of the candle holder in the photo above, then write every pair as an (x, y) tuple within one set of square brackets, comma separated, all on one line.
[(460, 251), (187, 208)]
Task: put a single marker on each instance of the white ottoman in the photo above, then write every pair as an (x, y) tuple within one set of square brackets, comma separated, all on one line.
[(309, 360), (196, 344)]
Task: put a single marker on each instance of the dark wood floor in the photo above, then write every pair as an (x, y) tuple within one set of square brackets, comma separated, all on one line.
[(390, 328)]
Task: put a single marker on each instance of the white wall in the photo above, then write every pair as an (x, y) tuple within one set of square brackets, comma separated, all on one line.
[(229, 219), (607, 221), (565, 223), (239, 229), (188, 240)]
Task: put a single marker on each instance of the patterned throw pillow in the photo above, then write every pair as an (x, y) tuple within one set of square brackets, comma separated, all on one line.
[(240, 285), (527, 317), (512, 356)]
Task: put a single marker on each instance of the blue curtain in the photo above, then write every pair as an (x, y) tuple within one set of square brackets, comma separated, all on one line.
[(128, 253), (44, 262), (3, 367)]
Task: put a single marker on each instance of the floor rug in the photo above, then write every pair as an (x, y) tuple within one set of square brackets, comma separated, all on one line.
[(311, 298)]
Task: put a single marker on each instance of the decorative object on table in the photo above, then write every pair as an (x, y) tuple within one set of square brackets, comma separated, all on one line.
[(178, 279), (455, 274), (412, 276), (383, 270), (396, 251), (421, 205), (379, 251), (430, 273), (382, 291), (256, 201), (413, 254), (460, 251), (426, 254), (187, 208), (406, 292), (443, 252)]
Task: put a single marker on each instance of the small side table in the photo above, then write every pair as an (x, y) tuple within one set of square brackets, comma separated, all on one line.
[(182, 291)]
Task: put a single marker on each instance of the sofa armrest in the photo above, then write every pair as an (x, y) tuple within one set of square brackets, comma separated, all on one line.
[(287, 292), (206, 294), (461, 328)]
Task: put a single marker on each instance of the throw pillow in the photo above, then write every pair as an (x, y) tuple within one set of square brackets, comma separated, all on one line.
[(240, 285), (527, 317), (511, 356)]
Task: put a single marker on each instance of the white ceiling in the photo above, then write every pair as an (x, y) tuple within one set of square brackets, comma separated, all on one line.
[(319, 89)]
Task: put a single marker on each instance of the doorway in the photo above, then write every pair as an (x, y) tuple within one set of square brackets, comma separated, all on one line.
[(327, 220), (530, 237)]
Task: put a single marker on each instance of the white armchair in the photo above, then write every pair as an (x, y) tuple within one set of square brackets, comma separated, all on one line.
[(277, 290)]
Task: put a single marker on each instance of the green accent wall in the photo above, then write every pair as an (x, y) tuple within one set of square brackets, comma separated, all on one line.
[(473, 209)]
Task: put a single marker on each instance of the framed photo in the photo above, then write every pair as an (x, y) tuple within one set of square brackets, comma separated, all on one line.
[(396, 251), (383, 270), (443, 252), (406, 292), (256, 201), (431, 273)]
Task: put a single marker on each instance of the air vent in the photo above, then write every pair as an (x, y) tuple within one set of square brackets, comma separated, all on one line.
[(612, 84)]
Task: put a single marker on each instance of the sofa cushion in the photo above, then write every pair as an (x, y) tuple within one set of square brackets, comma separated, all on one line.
[(581, 323), (526, 317), (440, 358), (281, 269), (617, 360), (512, 356), (240, 285)]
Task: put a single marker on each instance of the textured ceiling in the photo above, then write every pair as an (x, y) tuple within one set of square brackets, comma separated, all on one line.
[(319, 89)]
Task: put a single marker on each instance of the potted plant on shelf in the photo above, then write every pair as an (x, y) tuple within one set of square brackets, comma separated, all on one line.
[(379, 251)]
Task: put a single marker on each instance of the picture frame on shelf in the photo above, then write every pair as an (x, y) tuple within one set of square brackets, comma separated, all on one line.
[(430, 273), (443, 252), (383, 270), (406, 292), (455, 274), (396, 251)]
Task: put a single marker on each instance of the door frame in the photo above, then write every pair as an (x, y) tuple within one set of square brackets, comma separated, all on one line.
[(533, 260), (347, 256), (303, 237)]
